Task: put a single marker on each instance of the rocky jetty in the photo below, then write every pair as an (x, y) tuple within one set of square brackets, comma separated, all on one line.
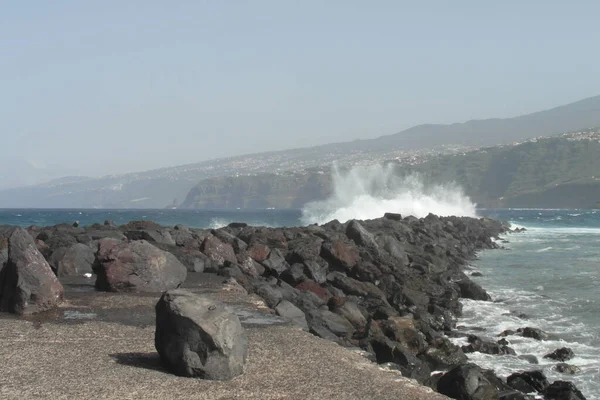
[(389, 286)]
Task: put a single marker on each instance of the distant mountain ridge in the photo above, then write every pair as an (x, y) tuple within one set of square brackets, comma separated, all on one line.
[(555, 172), (167, 187)]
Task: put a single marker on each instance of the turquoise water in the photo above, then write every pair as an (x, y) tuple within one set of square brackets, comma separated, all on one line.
[(551, 272)]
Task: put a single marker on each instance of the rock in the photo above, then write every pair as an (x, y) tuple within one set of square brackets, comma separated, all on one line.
[(476, 344), (27, 283), (72, 261), (527, 382), (275, 263), (507, 332), (159, 235), (534, 333), (136, 266), (476, 274), (192, 259), (444, 355), (387, 351), (402, 330), (562, 354), (361, 236), (304, 249), (294, 275), (562, 390), (271, 295), (259, 252), (467, 382), (108, 222), (310, 286), (471, 290), (349, 310), (318, 319), (567, 369), (238, 244), (287, 310), (341, 255), (315, 272), (218, 251), (393, 216), (199, 337)]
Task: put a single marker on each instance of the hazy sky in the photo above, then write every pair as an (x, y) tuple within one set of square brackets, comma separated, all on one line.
[(98, 87)]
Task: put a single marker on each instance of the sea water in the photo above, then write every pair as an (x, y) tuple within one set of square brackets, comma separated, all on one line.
[(550, 272)]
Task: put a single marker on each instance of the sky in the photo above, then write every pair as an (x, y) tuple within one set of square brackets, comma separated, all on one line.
[(105, 87)]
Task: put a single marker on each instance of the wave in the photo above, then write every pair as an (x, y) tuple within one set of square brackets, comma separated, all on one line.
[(370, 192)]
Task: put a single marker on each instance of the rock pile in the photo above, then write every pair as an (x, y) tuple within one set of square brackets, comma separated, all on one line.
[(390, 286)]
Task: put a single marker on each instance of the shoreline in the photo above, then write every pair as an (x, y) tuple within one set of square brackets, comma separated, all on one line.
[(390, 286)]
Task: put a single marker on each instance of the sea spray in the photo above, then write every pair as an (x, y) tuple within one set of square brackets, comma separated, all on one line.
[(369, 192)]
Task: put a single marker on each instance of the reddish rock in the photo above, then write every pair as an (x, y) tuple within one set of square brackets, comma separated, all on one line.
[(218, 251), (341, 254), (259, 252), (311, 286), (267, 236), (136, 266)]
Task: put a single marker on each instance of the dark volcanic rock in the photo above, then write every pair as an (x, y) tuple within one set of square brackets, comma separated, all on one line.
[(534, 333), (27, 283), (275, 263), (72, 261), (467, 382), (136, 266), (562, 390), (198, 337), (390, 285), (471, 290), (476, 344), (567, 369), (562, 354), (527, 382)]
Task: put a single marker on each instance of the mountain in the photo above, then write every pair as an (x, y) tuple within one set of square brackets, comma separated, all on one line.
[(555, 172), (166, 187)]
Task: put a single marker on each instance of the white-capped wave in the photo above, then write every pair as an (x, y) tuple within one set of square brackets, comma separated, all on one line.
[(544, 249), (369, 192)]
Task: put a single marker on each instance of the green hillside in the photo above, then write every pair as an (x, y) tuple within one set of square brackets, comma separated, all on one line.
[(557, 172), (553, 172)]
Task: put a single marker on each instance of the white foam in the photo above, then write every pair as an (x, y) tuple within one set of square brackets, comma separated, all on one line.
[(369, 192), (544, 249)]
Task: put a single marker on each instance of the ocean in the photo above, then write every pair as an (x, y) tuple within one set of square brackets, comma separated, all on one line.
[(550, 272)]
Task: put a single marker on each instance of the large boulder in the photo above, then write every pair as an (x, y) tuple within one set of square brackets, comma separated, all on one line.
[(218, 251), (340, 254), (467, 382), (199, 337), (72, 261), (529, 381), (27, 283), (287, 310), (136, 266), (563, 390)]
